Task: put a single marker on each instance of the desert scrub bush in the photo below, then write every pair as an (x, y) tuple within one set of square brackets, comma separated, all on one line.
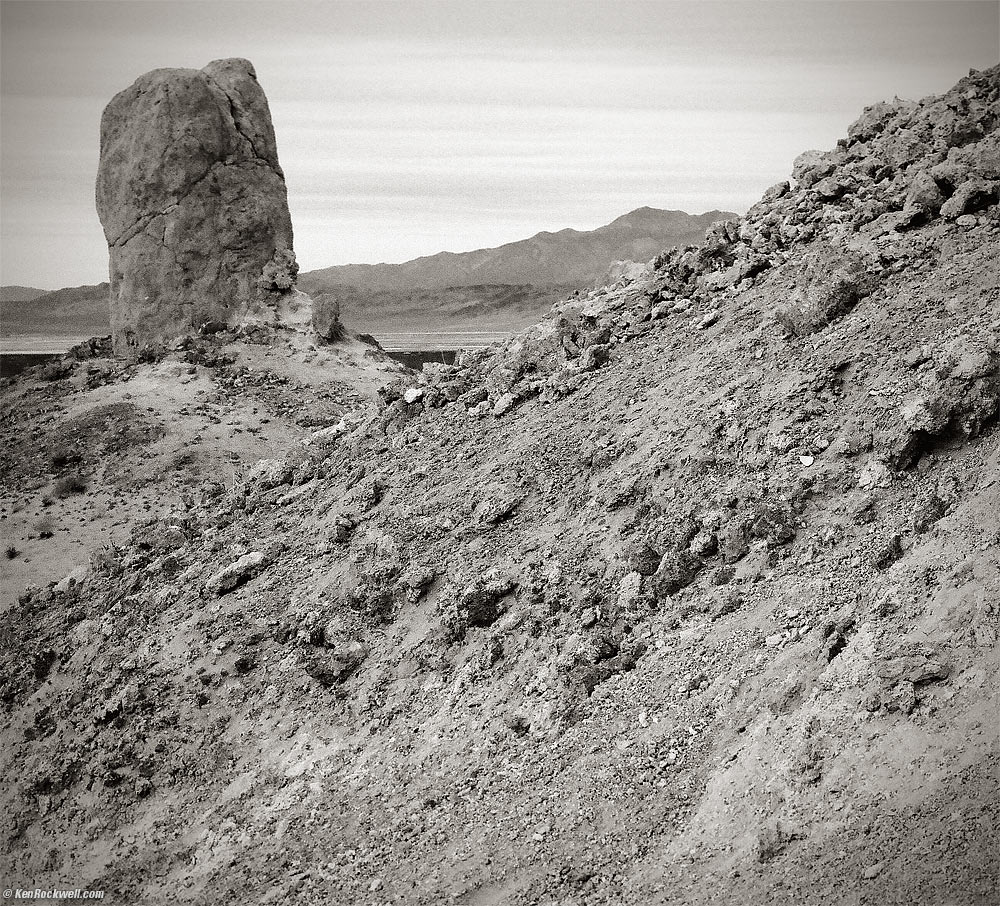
[(69, 484), (11, 552), (46, 527), (64, 457)]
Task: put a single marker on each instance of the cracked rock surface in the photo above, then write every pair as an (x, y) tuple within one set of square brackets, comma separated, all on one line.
[(192, 200)]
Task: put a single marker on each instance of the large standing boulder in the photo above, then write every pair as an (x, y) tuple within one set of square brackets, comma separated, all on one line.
[(193, 202), (326, 322)]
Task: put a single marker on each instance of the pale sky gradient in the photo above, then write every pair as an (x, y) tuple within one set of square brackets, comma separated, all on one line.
[(408, 128)]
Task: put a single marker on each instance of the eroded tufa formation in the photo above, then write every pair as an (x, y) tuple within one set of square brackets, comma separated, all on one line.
[(192, 201)]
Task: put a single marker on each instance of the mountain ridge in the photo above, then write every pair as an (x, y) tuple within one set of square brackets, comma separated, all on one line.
[(16, 293), (545, 258), (72, 310)]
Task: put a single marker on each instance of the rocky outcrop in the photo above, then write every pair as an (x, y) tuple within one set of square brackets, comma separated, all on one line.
[(192, 201), (326, 318)]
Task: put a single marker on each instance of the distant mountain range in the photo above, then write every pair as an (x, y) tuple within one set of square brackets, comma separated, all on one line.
[(572, 257), (20, 293), (73, 311), (507, 287)]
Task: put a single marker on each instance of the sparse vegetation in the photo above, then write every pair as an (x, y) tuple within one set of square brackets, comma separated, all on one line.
[(64, 457), (11, 552), (70, 484)]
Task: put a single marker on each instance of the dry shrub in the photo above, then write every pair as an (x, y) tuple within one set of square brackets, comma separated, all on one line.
[(69, 484)]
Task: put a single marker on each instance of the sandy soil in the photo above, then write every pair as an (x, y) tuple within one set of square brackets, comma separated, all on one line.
[(89, 454)]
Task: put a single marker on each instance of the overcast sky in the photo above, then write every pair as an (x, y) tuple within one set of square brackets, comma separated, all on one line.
[(408, 128)]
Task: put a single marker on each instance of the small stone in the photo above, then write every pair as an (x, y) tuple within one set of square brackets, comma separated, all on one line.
[(642, 558), (967, 221), (778, 190), (677, 569), (504, 404), (733, 544), (326, 318), (630, 592), (725, 602), (902, 697), (971, 195), (704, 544), (831, 188), (594, 357), (723, 575), (329, 668), (875, 474), (709, 319), (480, 602), (237, 573), (915, 356), (412, 395), (341, 529), (774, 523), (773, 641), (924, 196), (661, 310), (499, 504)]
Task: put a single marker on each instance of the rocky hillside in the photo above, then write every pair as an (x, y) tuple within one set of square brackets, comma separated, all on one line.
[(91, 444), (687, 595)]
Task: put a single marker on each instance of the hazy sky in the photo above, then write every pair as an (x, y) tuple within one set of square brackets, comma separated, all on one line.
[(408, 128)]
